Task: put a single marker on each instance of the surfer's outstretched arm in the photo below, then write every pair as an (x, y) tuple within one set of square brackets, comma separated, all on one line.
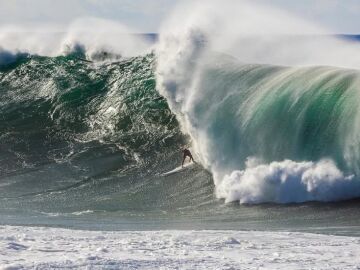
[(182, 164)]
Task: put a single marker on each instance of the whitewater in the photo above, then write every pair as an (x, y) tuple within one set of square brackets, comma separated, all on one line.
[(49, 248), (92, 120)]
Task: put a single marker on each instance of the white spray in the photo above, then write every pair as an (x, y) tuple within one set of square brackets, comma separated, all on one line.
[(93, 35)]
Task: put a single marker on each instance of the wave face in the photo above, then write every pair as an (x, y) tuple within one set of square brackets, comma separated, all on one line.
[(81, 137), (52, 108)]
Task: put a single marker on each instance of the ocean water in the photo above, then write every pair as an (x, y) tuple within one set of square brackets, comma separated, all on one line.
[(83, 145), (89, 123)]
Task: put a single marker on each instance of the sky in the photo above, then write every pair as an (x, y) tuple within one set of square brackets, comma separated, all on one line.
[(340, 16)]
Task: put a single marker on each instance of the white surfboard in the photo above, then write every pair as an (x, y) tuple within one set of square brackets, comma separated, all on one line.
[(178, 169)]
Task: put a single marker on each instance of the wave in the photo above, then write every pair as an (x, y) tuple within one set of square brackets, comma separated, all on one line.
[(274, 114), (56, 109), (273, 95), (265, 135), (100, 121)]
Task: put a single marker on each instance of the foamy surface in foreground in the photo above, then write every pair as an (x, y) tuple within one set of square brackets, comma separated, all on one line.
[(51, 248)]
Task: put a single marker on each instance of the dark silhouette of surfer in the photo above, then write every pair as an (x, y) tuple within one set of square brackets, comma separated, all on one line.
[(187, 153)]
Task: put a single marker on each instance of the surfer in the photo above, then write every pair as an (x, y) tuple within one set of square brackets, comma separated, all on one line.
[(187, 153)]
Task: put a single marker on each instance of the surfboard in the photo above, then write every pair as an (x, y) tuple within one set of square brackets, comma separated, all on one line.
[(178, 169)]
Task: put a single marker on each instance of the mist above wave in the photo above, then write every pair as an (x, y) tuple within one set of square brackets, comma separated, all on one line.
[(91, 36)]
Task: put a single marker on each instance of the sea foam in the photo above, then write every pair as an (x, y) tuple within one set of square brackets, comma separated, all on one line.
[(288, 182)]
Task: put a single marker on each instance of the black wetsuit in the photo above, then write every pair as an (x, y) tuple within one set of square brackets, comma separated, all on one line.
[(187, 153)]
